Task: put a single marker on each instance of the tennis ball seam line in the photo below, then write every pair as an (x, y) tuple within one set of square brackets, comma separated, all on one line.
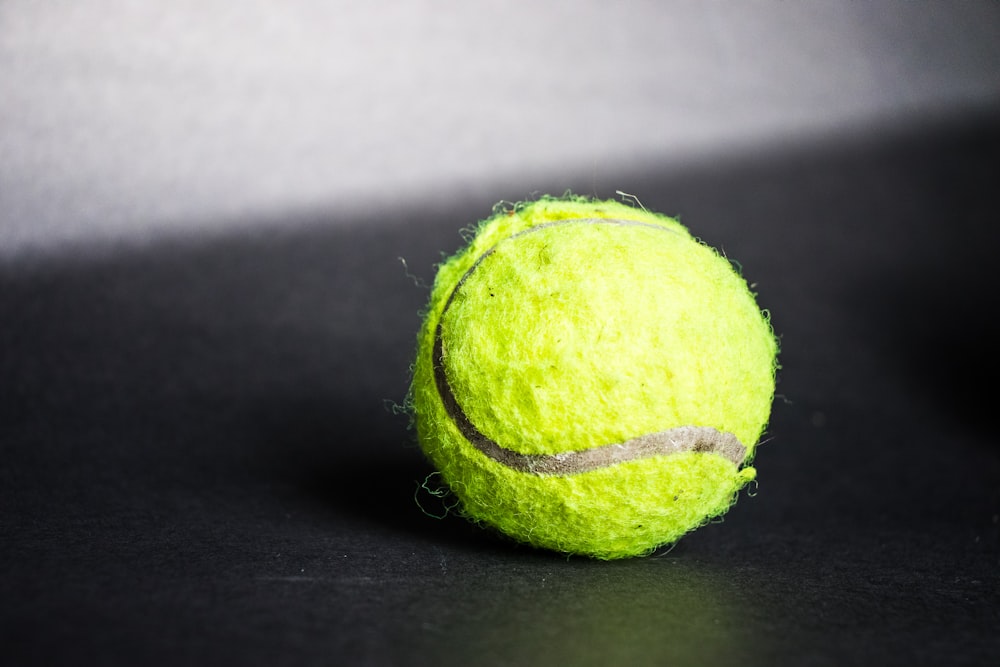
[(672, 441)]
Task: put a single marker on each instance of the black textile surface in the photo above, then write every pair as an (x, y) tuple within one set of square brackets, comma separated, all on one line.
[(200, 463)]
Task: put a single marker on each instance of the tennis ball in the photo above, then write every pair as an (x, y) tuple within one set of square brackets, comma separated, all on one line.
[(590, 378)]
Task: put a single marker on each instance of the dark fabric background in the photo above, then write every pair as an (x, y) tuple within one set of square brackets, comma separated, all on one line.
[(201, 463)]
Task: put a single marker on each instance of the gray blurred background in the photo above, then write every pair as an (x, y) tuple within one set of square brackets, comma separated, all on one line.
[(123, 122)]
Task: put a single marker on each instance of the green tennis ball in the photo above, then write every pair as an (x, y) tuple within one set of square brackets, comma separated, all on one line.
[(590, 378)]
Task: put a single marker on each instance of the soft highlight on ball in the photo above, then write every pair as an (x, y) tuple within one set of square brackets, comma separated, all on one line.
[(590, 378)]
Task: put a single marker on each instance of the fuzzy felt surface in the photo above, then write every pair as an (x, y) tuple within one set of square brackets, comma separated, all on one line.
[(571, 324)]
